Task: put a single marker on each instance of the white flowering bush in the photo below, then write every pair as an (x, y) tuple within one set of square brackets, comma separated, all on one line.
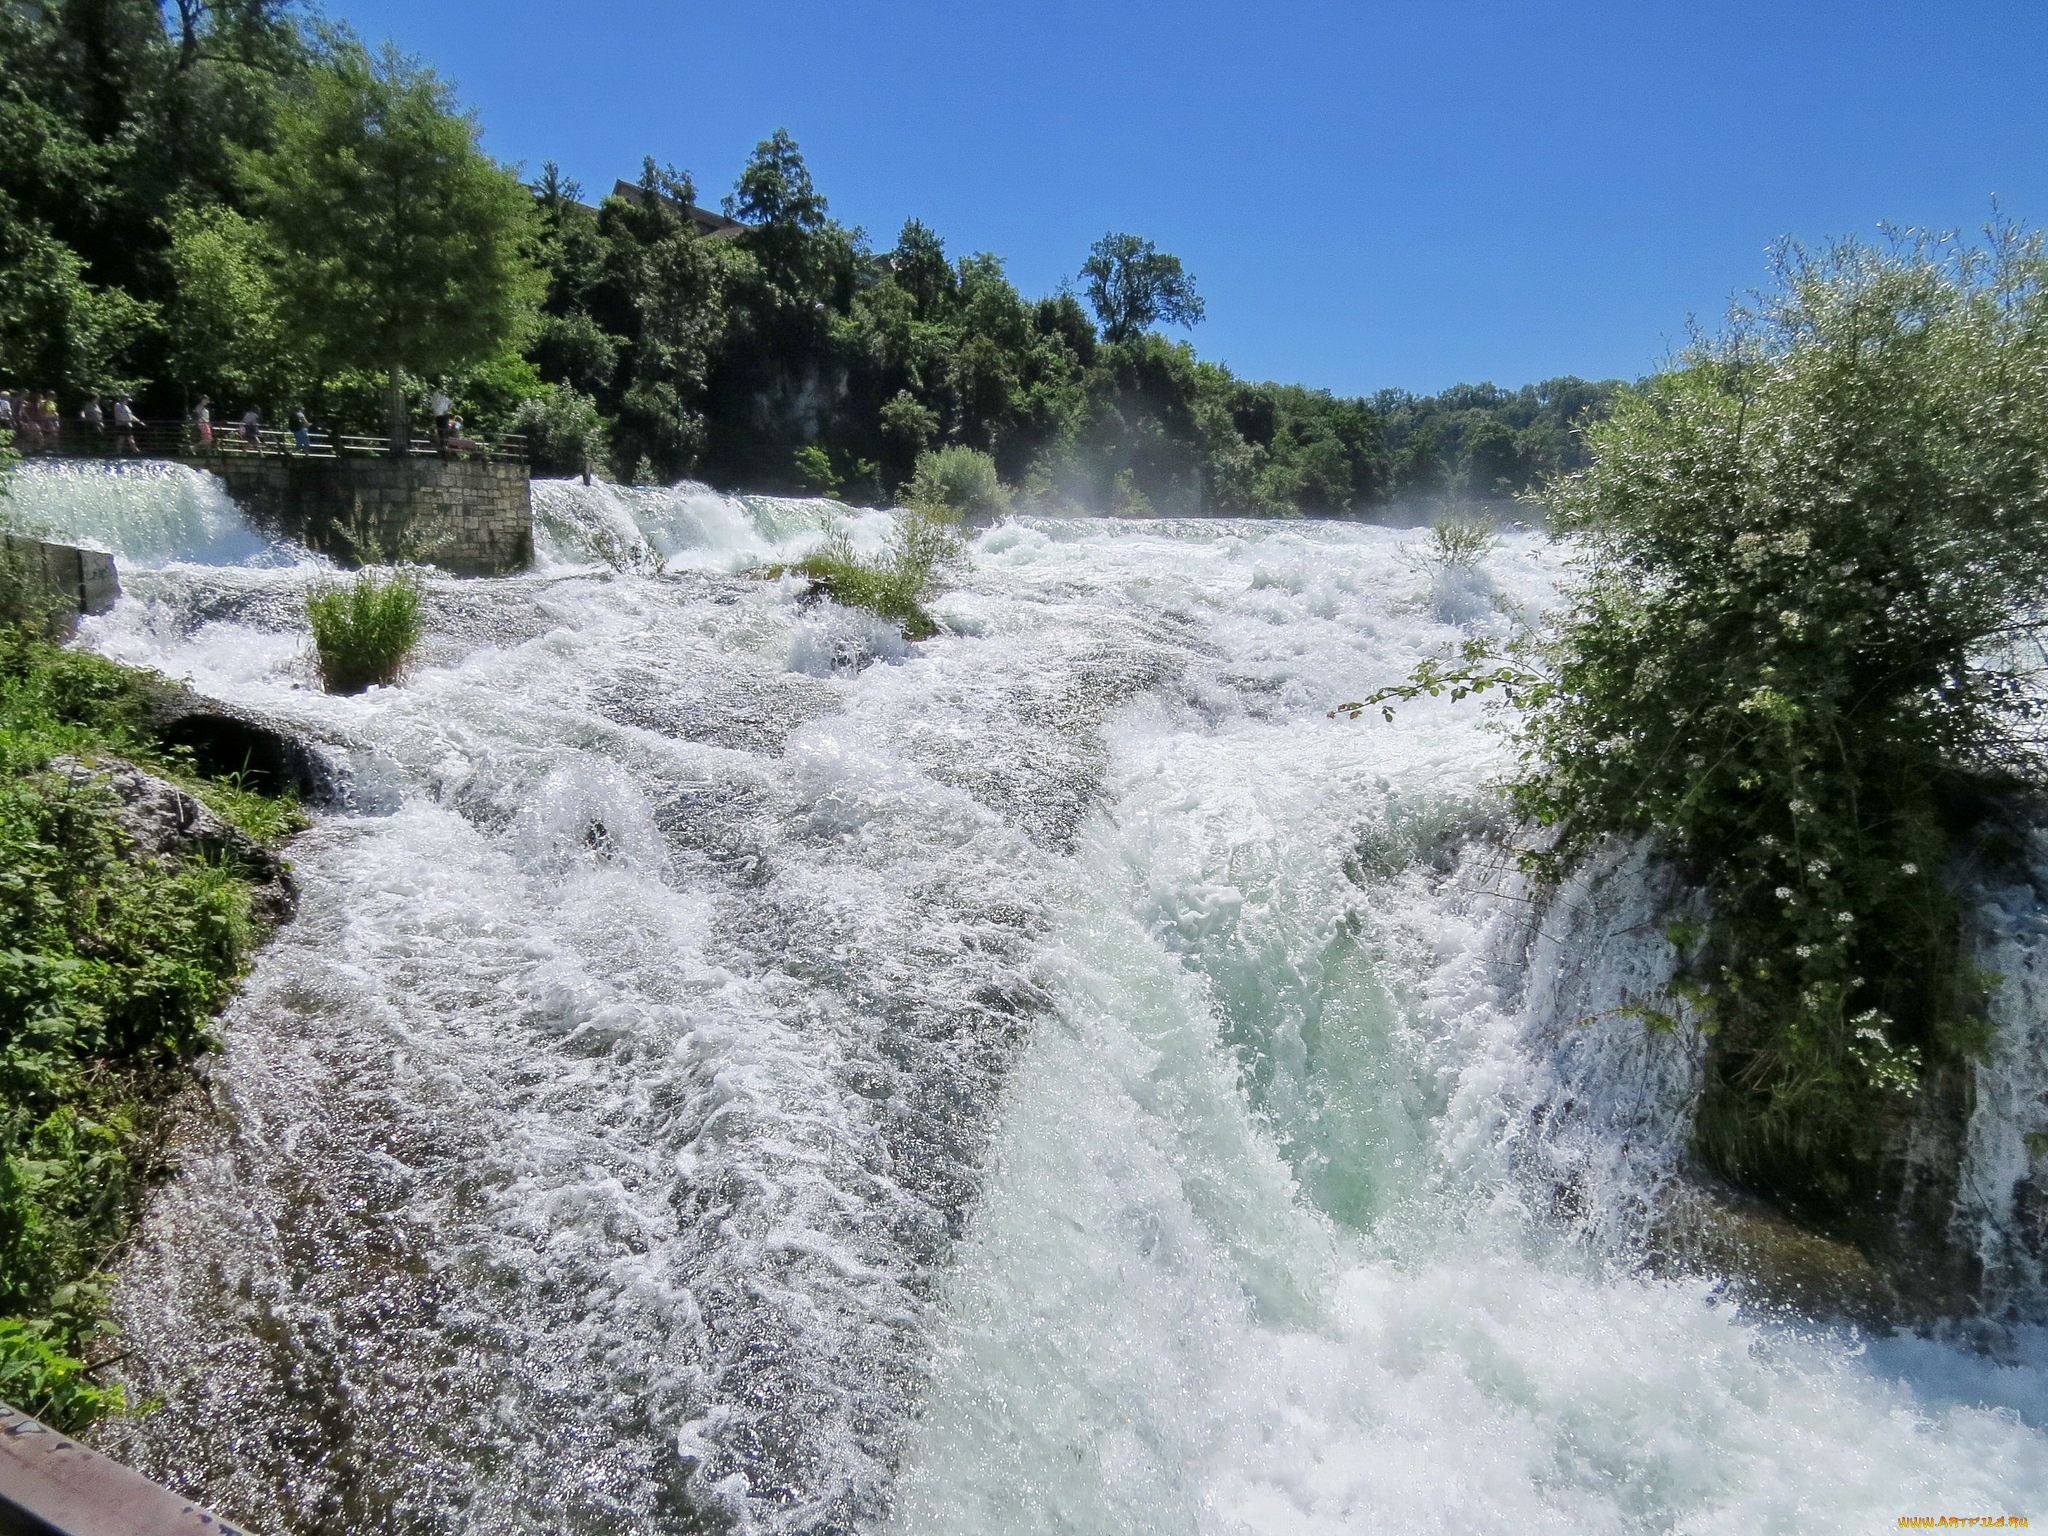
[(1815, 556)]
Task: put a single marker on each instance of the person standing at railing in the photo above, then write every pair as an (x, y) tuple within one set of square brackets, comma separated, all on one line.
[(53, 424), (95, 423), (202, 423), (252, 430), (302, 430), (6, 411), (442, 409), (125, 423)]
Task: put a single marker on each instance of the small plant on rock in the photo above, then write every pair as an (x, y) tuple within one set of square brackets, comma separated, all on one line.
[(892, 585), (1458, 544), (364, 630)]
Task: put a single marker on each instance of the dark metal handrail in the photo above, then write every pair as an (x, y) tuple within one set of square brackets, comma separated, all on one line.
[(181, 440)]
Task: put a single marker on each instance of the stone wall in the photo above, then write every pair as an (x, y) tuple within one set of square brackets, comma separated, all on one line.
[(79, 581), (465, 516)]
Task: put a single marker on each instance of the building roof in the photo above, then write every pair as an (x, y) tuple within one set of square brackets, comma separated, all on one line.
[(713, 225)]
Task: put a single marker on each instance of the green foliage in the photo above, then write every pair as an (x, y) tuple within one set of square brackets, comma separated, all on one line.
[(56, 1387), (55, 326), (111, 969), (1459, 544), (814, 472), (220, 197), (401, 244), (111, 113), (958, 482), (1133, 285), (924, 547), (365, 629), (1477, 441), (224, 328), (1803, 658), (564, 433), (775, 188)]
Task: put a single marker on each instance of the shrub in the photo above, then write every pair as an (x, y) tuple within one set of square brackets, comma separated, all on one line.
[(364, 630), (814, 472), (895, 584), (960, 481), (1814, 559), (1458, 544), (565, 434)]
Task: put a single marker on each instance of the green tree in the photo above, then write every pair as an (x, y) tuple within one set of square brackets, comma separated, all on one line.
[(223, 324), (1133, 285), (1804, 662), (403, 245), (776, 188), (56, 328)]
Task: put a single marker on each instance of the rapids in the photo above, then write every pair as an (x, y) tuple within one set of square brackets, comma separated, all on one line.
[(733, 1068)]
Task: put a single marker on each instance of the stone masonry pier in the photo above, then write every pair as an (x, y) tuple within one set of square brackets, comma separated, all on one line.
[(471, 517)]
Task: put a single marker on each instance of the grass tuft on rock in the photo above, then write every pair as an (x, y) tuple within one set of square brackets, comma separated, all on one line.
[(365, 629), (923, 547)]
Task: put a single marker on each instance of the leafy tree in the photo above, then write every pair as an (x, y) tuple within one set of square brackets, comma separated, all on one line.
[(225, 332), (814, 473), (56, 328), (402, 243), (1804, 661), (565, 434), (1488, 458), (776, 187), (1133, 285), (919, 267)]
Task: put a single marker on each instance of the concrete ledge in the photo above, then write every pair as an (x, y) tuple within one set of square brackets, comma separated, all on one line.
[(50, 1485), (81, 581)]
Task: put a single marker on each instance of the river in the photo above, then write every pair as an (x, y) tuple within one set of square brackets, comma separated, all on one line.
[(733, 1069)]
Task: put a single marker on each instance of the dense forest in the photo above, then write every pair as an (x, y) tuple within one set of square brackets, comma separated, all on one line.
[(149, 240)]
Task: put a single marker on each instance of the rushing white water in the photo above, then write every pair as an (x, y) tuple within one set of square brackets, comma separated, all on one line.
[(151, 513), (731, 1066)]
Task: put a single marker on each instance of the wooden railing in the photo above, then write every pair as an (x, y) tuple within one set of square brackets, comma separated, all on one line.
[(181, 440)]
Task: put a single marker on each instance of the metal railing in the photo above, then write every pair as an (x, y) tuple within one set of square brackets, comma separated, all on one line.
[(183, 440)]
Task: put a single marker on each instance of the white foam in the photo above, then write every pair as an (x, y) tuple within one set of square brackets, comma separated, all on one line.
[(605, 1126)]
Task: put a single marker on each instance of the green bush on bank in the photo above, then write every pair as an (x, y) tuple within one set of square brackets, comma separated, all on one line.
[(111, 969), (365, 629), (1802, 656)]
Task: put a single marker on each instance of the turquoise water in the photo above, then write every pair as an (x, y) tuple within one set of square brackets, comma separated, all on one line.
[(732, 1066)]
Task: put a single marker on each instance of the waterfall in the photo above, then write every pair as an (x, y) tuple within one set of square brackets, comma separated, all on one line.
[(735, 1070), (687, 526), (148, 513)]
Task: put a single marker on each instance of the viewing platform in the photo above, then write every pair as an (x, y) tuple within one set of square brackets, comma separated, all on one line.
[(466, 507)]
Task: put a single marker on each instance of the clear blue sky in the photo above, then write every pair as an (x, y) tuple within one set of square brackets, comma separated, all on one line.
[(1369, 194)]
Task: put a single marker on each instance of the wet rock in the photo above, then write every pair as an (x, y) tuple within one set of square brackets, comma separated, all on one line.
[(161, 820), (226, 739), (1768, 1258)]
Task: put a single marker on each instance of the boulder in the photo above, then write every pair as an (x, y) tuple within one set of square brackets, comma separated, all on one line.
[(162, 820), (228, 739)]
